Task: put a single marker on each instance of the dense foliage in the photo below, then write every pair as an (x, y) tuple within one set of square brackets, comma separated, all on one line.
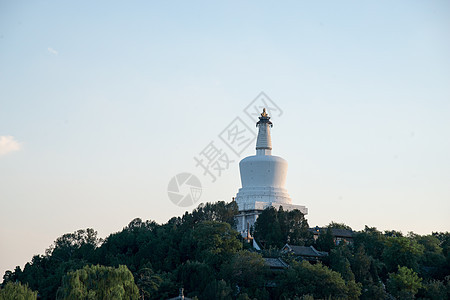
[(202, 253), (17, 291), (275, 228), (98, 282)]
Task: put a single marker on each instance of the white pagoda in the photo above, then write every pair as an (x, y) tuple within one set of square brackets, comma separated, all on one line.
[(263, 178)]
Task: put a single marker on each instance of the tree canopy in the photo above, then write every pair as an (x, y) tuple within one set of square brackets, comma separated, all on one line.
[(17, 291), (202, 253), (98, 282), (274, 228)]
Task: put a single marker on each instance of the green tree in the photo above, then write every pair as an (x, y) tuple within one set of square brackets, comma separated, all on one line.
[(432, 262), (148, 282), (444, 239), (393, 233), (44, 273), (201, 252), (365, 269), (246, 270), (69, 252), (297, 229), (194, 277), (219, 211), (404, 284), (434, 290), (79, 244), (316, 280), (217, 289), (17, 291), (338, 226), (134, 246), (274, 228), (99, 282), (168, 288), (360, 263), (325, 242), (372, 240), (339, 262), (373, 291), (215, 242), (354, 290), (402, 251), (267, 229)]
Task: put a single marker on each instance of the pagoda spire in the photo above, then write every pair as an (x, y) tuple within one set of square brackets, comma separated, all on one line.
[(264, 141)]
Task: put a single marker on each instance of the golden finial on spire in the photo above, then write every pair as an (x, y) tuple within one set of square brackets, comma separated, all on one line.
[(264, 114)]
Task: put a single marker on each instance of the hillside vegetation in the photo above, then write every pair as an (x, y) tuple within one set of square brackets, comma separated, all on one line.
[(202, 253)]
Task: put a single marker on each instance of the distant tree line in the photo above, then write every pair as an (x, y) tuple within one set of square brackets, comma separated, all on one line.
[(202, 253)]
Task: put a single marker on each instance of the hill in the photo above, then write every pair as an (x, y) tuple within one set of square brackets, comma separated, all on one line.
[(202, 253)]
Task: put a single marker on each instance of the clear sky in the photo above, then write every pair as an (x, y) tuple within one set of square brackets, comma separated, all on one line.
[(103, 102)]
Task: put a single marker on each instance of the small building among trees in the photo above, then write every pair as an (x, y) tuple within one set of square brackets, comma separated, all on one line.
[(340, 235), (275, 264), (306, 253)]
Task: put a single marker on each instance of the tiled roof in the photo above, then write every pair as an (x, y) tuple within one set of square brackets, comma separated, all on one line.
[(275, 262), (334, 231), (304, 251)]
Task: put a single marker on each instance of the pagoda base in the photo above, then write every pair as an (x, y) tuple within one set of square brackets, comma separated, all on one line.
[(249, 212)]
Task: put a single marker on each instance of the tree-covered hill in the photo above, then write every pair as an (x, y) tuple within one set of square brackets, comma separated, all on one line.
[(202, 253)]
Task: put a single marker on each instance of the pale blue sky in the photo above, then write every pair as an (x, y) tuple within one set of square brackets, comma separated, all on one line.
[(109, 100)]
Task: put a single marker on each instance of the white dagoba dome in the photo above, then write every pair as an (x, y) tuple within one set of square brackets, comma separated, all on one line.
[(263, 171), (263, 178)]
